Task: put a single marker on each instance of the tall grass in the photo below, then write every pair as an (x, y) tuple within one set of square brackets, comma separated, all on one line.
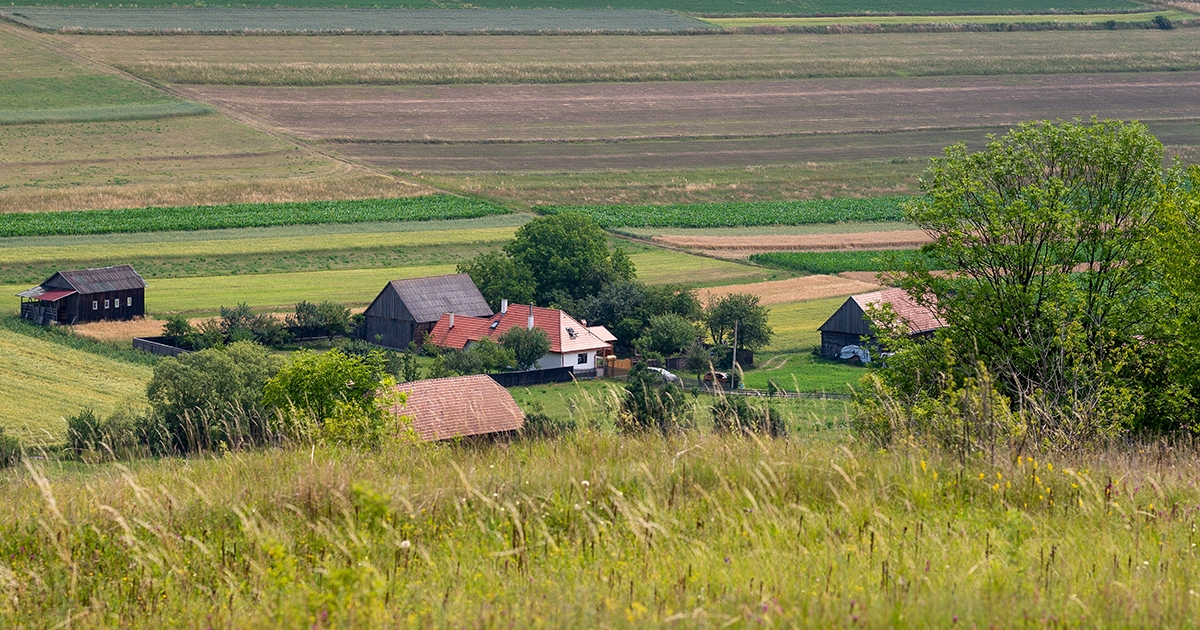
[(603, 530)]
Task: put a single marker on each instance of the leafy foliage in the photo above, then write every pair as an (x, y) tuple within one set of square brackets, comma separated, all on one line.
[(339, 398), (667, 335), (738, 313), (211, 398), (499, 277), (626, 308), (526, 345), (740, 214), (568, 256), (243, 215), (327, 319), (650, 405)]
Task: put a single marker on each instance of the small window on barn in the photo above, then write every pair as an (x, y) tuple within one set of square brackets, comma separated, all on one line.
[(95, 305), (582, 358), (106, 302), (117, 303), (129, 301)]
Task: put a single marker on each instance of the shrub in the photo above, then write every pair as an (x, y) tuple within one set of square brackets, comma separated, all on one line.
[(210, 398), (538, 424), (526, 345), (327, 319), (119, 436), (650, 405), (335, 397), (667, 335), (241, 323), (737, 413)]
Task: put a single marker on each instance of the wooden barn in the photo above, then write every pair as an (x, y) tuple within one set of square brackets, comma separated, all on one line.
[(407, 309), (850, 323), (86, 295)]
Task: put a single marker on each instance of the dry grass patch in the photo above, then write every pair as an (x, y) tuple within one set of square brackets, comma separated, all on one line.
[(741, 246), (120, 331), (792, 290)]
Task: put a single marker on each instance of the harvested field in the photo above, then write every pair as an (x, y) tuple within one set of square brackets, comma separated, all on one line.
[(870, 277), (120, 331), (529, 59), (672, 111), (1008, 18), (741, 246), (792, 290)]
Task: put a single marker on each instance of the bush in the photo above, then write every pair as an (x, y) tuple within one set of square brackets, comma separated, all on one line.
[(327, 319), (119, 436), (650, 405), (10, 450), (538, 424), (335, 397), (737, 413), (527, 346), (241, 323), (210, 398), (402, 365), (667, 335)]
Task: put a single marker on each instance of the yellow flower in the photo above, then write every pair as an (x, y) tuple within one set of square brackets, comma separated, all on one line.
[(981, 476), (1007, 484), (922, 465), (999, 476), (1050, 467), (996, 487), (935, 475)]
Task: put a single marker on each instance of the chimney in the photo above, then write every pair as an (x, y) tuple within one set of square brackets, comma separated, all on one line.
[(530, 317), (584, 322), (452, 320), (503, 307)]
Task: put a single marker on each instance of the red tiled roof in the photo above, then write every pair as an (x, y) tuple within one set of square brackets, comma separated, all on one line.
[(919, 318), (444, 408), (47, 296), (557, 324)]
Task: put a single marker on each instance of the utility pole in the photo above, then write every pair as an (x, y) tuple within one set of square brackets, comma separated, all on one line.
[(733, 363)]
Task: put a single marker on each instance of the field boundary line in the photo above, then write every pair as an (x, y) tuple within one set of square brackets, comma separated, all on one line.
[(46, 40)]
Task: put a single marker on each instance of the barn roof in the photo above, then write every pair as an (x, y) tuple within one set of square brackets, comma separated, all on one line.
[(565, 332), (87, 281), (444, 408), (427, 298), (851, 317)]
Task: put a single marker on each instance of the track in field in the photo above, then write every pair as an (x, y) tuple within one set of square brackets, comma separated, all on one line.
[(679, 125)]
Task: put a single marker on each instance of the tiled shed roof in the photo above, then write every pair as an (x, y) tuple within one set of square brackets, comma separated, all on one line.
[(445, 408), (566, 333), (918, 318)]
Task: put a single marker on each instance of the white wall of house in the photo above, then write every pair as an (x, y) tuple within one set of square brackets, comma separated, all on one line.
[(571, 359)]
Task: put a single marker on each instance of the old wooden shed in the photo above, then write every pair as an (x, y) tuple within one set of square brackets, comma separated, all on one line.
[(86, 295), (407, 309), (850, 323)]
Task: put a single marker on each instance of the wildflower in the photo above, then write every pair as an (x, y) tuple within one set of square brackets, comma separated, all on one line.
[(922, 465), (981, 476), (404, 544), (1007, 484), (935, 475), (584, 483), (999, 476), (996, 487)]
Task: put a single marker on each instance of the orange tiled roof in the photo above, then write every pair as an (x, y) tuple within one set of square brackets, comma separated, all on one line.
[(918, 318), (558, 326), (444, 408)]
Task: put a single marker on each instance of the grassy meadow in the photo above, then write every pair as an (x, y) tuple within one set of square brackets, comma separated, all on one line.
[(973, 18), (43, 381), (609, 530)]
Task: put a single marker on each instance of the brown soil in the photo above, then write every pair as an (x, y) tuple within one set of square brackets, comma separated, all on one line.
[(793, 290), (895, 239)]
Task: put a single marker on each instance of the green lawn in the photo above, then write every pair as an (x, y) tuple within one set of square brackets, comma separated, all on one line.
[(795, 323), (802, 372)]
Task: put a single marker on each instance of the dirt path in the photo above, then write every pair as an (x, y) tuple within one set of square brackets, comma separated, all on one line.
[(793, 290)]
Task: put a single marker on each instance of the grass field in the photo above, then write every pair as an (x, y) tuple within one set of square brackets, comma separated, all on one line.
[(604, 530), (524, 59), (42, 382), (795, 324), (1009, 18), (802, 372)]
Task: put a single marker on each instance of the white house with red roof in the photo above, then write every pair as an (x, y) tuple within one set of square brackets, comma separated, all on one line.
[(572, 343)]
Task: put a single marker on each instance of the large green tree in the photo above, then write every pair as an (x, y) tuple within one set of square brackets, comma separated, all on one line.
[(568, 256), (742, 314), (1043, 247), (499, 277)]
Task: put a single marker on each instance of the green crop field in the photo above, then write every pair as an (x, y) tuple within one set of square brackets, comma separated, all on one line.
[(741, 214), (41, 382), (835, 262), (343, 21), (424, 208)]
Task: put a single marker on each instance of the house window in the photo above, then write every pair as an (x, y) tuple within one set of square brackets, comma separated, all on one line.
[(117, 303), (581, 358), (129, 301), (95, 305), (106, 303)]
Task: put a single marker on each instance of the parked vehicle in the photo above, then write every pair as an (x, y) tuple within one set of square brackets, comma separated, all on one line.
[(667, 377), (716, 377)]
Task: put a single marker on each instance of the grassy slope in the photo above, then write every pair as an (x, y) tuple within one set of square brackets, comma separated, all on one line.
[(795, 324), (42, 381), (602, 530)]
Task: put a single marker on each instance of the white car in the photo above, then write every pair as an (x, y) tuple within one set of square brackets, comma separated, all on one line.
[(667, 377)]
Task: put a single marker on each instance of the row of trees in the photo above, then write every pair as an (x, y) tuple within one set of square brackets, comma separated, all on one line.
[(241, 323), (1065, 265)]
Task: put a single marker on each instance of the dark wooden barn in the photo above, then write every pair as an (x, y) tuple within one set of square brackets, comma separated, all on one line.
[(407, 309), (850, 323), (86, 295)]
